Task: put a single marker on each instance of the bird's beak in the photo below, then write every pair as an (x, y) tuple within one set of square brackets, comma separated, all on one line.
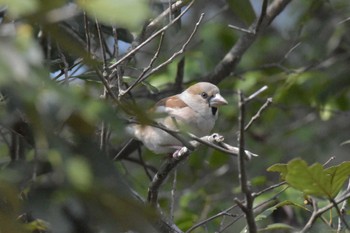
[(217, 100)]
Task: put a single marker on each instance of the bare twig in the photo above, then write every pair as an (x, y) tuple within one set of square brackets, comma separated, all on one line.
[(172, 8), (257, 209), (65, 64), (240, 29), (87, 33), (220, 214), (258, 114), (255, 94), (137, 48), (329, 160), (145, 70), (104, 127), (248, 208), (343, 209), (173, 192), (169, 60), (340, 215), (317, 213)]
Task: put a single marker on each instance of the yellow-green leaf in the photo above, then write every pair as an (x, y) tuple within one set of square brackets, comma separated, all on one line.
[(127, 13), (79, 173), (315, 180), (279, 167), (17, 8)]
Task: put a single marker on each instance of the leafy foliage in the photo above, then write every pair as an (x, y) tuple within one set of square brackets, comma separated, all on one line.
[(60, 127), (315, 179)]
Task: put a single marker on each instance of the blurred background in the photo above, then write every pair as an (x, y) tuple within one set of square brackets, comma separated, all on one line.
[(60, 128)]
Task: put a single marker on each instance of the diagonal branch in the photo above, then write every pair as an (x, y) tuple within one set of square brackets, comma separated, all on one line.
[(232, 58)]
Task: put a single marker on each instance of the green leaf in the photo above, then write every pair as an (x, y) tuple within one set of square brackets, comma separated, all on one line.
[(128, 13), (79, 173), (339, 174), (276, 227), (315, 180), (279, 167), (17, 8), (243, 9)]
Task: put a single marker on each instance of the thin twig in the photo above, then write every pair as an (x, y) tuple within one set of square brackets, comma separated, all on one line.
[(145, 70), (320, 211), (240, 29), (258, 209), (169, 60), (137, 48), (87, 33), (65, 64), (248, 208), (255, 94), (343, 209), (340, 215), (104, 126), (173, 193), (258, 114)]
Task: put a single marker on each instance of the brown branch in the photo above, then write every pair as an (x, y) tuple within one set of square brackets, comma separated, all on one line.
[(225, 67), (179, 75), (317, 213), (258, 114), (248, 208)]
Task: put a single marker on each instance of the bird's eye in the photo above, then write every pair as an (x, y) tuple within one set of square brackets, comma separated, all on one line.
[(204, 95)]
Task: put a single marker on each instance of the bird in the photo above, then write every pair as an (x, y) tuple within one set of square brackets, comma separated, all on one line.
[(195, 110)]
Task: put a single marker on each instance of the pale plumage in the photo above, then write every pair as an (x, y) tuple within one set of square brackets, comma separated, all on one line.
[(194, 110)]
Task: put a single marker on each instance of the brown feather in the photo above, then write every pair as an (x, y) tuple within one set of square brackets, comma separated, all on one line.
[(171, 102)]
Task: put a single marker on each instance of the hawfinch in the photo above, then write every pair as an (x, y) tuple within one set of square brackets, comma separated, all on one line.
[(194, 110)]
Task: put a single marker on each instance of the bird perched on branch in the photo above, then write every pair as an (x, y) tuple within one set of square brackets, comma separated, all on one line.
[(195, 110)]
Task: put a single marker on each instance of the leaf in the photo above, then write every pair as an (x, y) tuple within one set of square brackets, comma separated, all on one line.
[(17, 8), (315, 180), (277, 226), (243, 9), (79, 173), (128, 13), (279, 167), (339, 174)]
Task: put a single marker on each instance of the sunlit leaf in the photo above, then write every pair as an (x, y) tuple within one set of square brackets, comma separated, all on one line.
[(315, 180), (276, 227), (17, 8), (128, 13), (339, 174), (79, 173), (279, 167)]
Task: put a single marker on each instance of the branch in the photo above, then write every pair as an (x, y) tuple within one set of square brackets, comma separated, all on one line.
[(319, 212), (180, 155), (248, 208), (258, 114), (145, 70), (232, 58), (137, 48), (176, 54)]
